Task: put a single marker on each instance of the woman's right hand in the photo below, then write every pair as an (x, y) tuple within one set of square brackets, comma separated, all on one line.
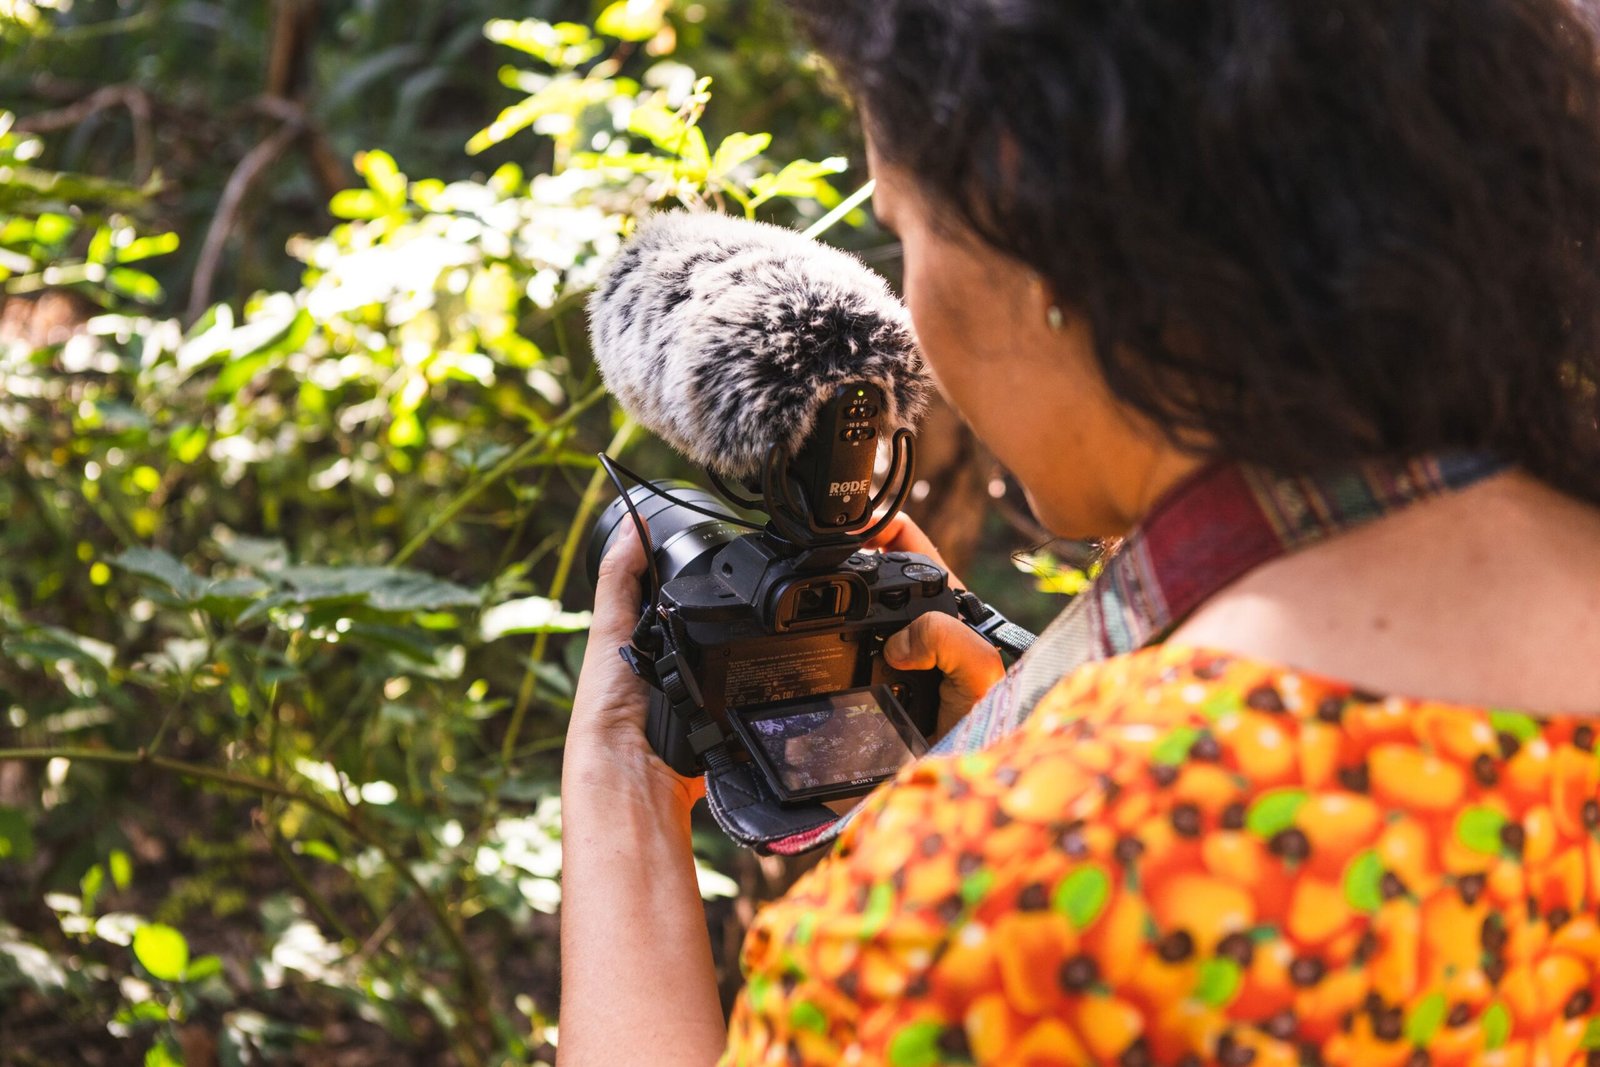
[(904, 535), (971, 665)]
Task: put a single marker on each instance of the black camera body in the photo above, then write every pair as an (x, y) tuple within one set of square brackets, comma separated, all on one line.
[(763, 642), (764, 631)]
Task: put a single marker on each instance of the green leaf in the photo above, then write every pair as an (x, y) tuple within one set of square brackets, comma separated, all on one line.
[(807, 1016), (1274, 812), (389, 589), (1591, 1035), (1496, 1026), (1523, 727), (135, 284), (1082, 895), (159, 244), (801, 180), (188, 443), (99, 246), (16, 836), (257, 553), (1221, 704), (880, 905), (661, 126), (355, 204), (1363, 880), (976, 886), (1218, 982), (384, 176), (163, 569), (319, 850), (560, 44), (632, 20), (162, 951), (203, 968), (531, 615), (89, 886), (756, 992), (1174, 748), (916, 1045), (738, 148), (163, 1054), (121, 869), (1426, 1018), (1479, 829)]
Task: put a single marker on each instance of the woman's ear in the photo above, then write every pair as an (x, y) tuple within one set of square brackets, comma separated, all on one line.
[(1044, 306)]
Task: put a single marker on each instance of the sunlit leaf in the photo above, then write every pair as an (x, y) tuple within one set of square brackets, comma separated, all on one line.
[(633, 20), (738, 148), (163, 1054), (89, 886), (666, 130), (121, 869), (801, 180), (135, 284), (383, 176), (145, 247), (162, 951), (531, 615)]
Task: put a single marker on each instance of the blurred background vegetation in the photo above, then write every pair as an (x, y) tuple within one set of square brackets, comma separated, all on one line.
[(297, 425)]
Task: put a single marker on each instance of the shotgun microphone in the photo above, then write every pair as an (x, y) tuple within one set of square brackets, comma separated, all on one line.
[(728, 339)]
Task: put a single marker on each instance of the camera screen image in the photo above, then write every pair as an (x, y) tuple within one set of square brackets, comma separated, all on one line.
[(825, 744)]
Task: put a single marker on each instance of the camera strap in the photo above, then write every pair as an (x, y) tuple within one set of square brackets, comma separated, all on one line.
[(1204, 534)]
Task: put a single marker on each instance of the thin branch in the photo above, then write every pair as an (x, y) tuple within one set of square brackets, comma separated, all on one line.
[(250, 168), (135, 99), (443, 517), (558, 586)]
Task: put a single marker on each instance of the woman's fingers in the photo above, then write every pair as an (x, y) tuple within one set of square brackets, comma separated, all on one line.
[(970, 664), (904, 535), (609, 694), (617, 593)]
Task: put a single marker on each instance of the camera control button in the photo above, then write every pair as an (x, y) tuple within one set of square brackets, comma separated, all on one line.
[(931, 577), (864, 565), (898, 557)]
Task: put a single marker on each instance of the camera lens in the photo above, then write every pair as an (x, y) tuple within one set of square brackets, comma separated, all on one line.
[(684, 540)]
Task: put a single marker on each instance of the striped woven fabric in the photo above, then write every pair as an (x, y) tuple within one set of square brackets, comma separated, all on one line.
[(1210, 530)]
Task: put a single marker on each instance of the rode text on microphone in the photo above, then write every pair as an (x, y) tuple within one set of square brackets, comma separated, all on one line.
[(782, 366)]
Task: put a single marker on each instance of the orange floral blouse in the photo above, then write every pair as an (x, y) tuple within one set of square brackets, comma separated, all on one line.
[(1188, 858)]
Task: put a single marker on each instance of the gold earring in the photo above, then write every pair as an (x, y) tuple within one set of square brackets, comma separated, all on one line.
[(1056, 318)]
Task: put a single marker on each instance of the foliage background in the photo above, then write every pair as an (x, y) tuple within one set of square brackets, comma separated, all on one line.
[(296, 433)]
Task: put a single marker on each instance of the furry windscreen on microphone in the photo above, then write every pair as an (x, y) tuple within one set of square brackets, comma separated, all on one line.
[(724, 337)]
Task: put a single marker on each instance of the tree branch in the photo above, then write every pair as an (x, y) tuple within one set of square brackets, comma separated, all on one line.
[(250, 168)]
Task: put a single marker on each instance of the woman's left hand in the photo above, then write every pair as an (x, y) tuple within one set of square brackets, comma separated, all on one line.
[(606, 746)]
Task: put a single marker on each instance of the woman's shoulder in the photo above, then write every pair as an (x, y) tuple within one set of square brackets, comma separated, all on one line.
[(1182, 849)]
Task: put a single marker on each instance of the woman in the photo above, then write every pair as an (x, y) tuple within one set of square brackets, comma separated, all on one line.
[(1155, 252)]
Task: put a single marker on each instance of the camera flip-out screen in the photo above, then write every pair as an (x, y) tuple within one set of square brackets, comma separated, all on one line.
[(839, 745)]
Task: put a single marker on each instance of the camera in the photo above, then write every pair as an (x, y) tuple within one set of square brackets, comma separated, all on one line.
[(763, 641)]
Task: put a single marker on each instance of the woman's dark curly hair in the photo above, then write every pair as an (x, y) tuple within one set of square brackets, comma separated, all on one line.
[(1305, 232)]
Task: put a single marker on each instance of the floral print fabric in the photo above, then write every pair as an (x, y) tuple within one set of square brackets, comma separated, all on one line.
[(1189, 858)]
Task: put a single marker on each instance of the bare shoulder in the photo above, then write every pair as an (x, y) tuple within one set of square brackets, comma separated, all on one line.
[(1489, 596)]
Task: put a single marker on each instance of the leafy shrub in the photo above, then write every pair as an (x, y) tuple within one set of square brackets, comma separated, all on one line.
[(300, 569)]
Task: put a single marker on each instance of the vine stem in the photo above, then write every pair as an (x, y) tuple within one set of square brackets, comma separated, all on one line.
[(558, 586), (477, 989), (849, 204), (444, 517)]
